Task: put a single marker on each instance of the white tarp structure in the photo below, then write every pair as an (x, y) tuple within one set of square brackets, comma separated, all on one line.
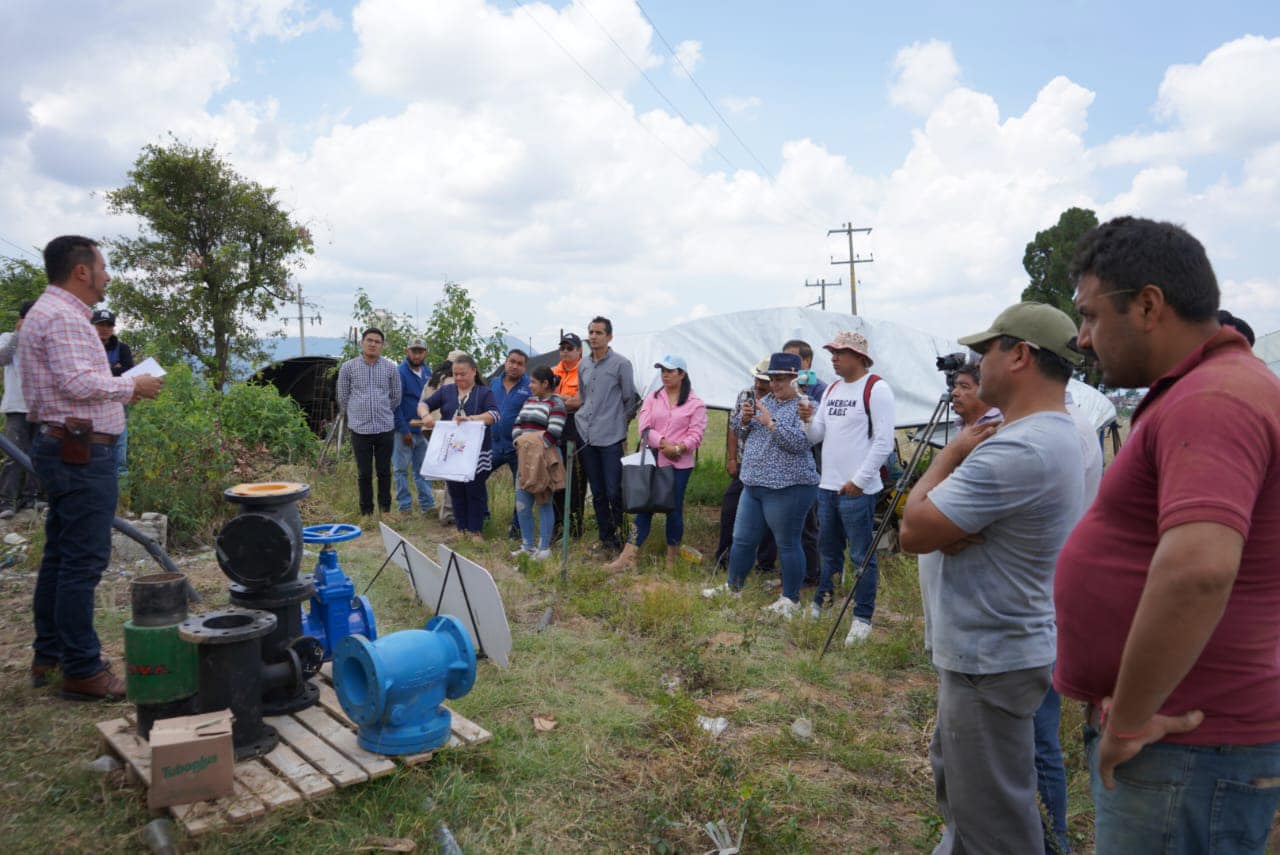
[(722, 349), (1267, 349)]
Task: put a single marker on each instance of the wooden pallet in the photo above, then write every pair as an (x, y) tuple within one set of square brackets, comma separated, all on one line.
[(317, 754)]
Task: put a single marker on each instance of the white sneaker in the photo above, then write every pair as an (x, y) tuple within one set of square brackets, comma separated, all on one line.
[(542, 555), (783, 608), (720, 590), (815, 611), (859, 631), (521, 551)]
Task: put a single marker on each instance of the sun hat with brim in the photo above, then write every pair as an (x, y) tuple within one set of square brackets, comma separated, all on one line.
[(671, 362), (761, 371), (783, 363), (847, 340), (1037, 324)]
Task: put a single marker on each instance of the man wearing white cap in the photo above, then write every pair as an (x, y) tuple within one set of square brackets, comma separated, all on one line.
[(855, 418)]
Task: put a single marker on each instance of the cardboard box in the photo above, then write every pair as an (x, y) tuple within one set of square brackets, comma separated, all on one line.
[(192, 759)]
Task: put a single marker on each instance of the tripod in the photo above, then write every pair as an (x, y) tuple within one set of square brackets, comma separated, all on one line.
[(899, 487)]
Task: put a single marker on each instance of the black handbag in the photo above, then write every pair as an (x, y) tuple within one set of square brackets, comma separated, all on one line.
[(648, 488)]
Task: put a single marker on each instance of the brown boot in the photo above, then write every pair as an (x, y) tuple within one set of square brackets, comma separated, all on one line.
[(103, 686), (673, 555), (626, 560)]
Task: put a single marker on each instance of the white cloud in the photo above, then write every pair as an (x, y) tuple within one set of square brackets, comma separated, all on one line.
[(1217, 105), (925, 73), (497, 163), (741, 105), (689, 54)]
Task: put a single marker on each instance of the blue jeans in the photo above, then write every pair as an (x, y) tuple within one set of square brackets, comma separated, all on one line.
[(1177, 799), (77, 549), (783, 510), (604, 472), (122, 449), (406, 460), (847, 520), (675, 519), (1051, 774), (546, 521)]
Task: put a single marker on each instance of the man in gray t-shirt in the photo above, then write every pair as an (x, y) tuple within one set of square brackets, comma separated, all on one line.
[(998, 505)]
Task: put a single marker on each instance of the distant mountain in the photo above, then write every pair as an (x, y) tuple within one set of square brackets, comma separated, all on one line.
[(289, 347)]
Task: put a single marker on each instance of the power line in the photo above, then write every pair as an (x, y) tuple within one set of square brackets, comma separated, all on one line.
[(29, 252), (719, 115), (582, 5), (604, 89)]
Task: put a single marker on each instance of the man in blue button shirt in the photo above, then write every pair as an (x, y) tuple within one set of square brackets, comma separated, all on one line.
[(510, 390)]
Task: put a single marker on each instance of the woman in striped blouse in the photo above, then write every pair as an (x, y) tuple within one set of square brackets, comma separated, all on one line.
[(543, 412)]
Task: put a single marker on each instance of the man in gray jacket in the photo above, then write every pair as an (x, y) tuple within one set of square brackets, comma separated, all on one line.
[(17, 488), (608, 401), (368, 392)]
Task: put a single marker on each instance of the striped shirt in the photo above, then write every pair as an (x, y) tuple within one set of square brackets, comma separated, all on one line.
[(541, 414), (369, 394), (65, 373)]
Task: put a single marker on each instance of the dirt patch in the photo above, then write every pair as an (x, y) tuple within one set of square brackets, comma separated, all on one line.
[(724, 639), (730, 702)]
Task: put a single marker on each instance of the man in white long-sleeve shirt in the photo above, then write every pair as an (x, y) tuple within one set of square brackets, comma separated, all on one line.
[(854, 421)]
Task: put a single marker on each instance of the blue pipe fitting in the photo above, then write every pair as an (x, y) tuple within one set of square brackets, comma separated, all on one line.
[(392, 688), (336, 610)]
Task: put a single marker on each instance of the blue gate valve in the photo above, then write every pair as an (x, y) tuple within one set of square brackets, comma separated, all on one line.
[(393, 688), (336, 611)]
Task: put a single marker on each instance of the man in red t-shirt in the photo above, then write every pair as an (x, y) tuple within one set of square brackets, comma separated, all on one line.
[(1167, 592)]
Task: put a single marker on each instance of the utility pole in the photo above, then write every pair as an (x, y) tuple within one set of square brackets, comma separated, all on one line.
[(302, 329), (824, 285), (848, 229)]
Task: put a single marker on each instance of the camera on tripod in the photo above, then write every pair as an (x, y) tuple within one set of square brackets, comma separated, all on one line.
[(950, 366)]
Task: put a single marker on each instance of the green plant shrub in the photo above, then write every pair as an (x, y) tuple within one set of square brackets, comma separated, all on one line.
[(191, 442)]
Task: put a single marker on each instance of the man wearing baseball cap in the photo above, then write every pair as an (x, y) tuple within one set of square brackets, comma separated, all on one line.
[(854, 416), (120, 358), (410, 447), (999, 505), (567, 387)]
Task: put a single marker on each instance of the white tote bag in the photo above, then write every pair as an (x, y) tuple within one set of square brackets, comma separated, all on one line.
[(454, 451)]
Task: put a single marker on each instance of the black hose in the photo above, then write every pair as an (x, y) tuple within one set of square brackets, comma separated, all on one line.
[(153, 549)]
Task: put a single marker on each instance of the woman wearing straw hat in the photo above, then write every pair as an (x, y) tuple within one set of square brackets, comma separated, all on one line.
[(780, 483)]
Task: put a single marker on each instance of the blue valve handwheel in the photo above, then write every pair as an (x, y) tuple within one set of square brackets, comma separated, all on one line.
[(331, 533)]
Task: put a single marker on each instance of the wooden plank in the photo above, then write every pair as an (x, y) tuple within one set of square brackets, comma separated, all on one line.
[(323, 756), (344, 739), (416, 759), (242, 805), (326, 671), (120, 736), (467, 730), (329, 700), (273, 791), (302, 775)]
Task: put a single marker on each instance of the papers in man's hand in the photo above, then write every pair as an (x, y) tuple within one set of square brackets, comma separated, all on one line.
[(146, 366)]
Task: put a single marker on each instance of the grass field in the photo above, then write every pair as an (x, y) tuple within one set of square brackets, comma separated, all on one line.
[(627, 666)]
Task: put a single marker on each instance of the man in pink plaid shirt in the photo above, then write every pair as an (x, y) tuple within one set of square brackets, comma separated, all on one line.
[(79, 407)]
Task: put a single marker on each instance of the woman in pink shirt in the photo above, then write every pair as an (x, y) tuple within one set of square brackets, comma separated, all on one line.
[(672, 420)]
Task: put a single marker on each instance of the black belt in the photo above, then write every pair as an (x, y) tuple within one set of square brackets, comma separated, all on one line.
[(59, 432)]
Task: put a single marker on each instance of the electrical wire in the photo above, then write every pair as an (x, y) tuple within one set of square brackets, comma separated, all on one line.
[(29, 252)]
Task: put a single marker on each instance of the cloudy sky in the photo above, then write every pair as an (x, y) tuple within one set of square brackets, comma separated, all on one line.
[(664, 160)]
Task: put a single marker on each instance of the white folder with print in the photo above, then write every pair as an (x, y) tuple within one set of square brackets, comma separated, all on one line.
[(453, 451)]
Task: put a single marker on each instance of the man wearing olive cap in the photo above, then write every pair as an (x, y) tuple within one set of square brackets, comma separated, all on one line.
[(999, 506)]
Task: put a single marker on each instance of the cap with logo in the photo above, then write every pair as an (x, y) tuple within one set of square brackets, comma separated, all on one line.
[(103, 316), (417, 344), (573, 339), (1035, 323)]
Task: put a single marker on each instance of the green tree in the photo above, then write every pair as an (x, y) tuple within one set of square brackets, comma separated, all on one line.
[(215, 255), (452, 326), (1047, 258), (1046, 261), (20, 280)]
